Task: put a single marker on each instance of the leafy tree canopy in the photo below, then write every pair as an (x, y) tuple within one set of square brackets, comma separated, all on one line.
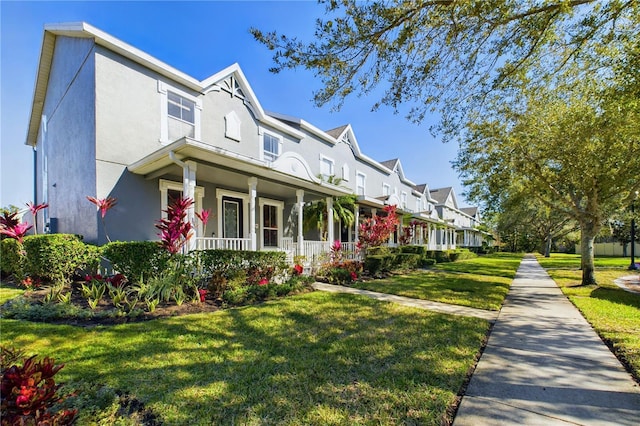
[(447, 55)]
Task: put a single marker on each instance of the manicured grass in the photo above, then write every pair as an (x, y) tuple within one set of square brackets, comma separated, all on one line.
[(572, 261), (481, 282), (318, 358), (8, 293), (497, 264), (613, 312)]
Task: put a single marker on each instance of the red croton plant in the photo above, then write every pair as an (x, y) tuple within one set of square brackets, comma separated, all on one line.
[(375, 231), (29, 391)]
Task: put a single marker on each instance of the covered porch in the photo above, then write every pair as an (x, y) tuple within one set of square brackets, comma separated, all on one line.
[(254, 204)]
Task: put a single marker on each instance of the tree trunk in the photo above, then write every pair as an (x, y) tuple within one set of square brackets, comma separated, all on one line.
[(588, 231), (547, 246)]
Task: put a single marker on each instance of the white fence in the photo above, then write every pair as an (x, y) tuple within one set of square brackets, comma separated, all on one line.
[(610, 249)]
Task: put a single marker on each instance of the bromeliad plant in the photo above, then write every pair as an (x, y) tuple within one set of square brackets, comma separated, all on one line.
[(11, 226), (104, 205), (35, 208)]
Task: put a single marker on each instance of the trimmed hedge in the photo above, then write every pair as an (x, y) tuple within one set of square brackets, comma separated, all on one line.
[(137, 260), (377, 264), (56, 257), (11, 257), (421, 250), (407, 260)]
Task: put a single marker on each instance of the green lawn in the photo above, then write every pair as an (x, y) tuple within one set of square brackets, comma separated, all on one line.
[(318, 358), (482, 282), (613, 312), (8, 293), (572, 261)]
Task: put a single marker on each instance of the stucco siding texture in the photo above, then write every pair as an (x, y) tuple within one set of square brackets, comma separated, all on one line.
[(69, 140)]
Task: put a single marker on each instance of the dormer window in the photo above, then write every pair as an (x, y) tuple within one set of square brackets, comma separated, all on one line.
[(326, 167), (360, 183), (271, 147)]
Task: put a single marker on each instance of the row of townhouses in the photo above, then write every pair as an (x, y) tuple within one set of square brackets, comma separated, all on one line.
[(109, 120)]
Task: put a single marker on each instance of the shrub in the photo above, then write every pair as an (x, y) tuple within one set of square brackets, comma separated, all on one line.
[(137, 260), (55, 257), (408, 260), (428, 262), (378, 264), (421, 250), (461, 254), (380, 251), (11, 257), (218, 267), (29, 392)]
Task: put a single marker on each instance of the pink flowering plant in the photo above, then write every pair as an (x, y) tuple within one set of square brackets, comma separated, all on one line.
[(175, 230), (11, 226), (34, 209), (104, 205)]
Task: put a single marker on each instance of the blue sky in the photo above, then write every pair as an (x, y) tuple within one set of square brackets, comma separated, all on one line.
[(200, 39)]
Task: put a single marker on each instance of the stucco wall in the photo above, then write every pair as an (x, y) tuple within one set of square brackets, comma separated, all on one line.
[(69, 140)]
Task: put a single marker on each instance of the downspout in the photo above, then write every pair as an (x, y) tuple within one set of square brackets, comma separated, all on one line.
[(187, 192)]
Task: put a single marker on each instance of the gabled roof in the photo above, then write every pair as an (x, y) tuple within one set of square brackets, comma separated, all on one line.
[(423, 189), (84, 30), (441, 195), (471, 211), (396, 166), (338, 131)]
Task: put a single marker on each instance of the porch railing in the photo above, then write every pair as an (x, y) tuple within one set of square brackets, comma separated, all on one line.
[(211, 243)]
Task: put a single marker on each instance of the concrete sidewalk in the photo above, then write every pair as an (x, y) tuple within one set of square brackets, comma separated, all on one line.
[(545, 365)]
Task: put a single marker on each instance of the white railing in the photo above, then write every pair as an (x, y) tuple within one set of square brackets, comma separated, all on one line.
[(210, 243), (313, 250)]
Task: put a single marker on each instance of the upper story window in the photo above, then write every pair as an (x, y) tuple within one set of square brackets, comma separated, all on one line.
[(270, 147), (418, 204), (403, 199), (327, 167), (180, 114), (360, 183), (181, 108), (386, 189)]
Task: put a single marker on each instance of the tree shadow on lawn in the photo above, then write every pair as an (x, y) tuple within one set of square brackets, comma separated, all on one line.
[(616, 295), (342, 358)]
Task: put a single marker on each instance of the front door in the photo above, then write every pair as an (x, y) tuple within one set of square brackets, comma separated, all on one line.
[(232, 217)]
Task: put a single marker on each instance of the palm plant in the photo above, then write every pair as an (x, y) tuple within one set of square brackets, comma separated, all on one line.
[(315, 213)]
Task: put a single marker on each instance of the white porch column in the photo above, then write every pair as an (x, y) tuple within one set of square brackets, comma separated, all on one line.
[(356, 222), (253, 183), (330, 232), (189, 191), (300, 203)]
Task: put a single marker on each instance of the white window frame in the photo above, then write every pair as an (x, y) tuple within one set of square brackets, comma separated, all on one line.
[(263, 152), (327, 160), (386, 189), (418, 204), (403, 199), (364, 183), (164, 89), (279, 205)]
